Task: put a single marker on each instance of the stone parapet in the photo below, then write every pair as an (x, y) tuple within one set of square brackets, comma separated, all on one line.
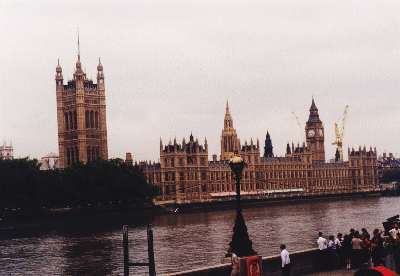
[(302, 262)]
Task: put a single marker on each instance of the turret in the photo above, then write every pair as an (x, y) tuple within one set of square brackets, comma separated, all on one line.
[(337, 155), (100, 75), (288, 149), (268, 149), (59, 76)]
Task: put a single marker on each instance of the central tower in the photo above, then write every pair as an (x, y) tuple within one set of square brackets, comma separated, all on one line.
[(229, 141), (315, 135), (81, 116)]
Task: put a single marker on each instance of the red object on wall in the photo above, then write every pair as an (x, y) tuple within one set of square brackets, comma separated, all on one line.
[(385, 271), (253, 266)]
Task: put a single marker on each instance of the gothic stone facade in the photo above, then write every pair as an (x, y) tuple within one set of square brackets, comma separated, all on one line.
[(81, 117), (6, 152), (185, 173)]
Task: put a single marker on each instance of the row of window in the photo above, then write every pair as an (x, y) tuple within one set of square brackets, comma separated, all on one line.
[(91, 119), (189, 160), (93, 153)]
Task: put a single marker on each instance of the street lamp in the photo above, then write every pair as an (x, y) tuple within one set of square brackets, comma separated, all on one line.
[(241, 244)]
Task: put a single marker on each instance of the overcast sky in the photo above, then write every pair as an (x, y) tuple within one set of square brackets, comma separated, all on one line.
[(170, 67)]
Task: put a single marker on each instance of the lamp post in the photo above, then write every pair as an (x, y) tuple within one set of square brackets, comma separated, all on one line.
[(241, 243)]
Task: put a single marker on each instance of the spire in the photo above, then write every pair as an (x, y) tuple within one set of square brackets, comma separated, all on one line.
[(313, 106), (227, 108), (268, 148), (58, 69), (228, 122), (337, 155), (314, 116), (78, 63), (100, 66), (79, 51)]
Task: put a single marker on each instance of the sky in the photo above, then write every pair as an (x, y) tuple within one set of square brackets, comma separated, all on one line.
[(171, 66)]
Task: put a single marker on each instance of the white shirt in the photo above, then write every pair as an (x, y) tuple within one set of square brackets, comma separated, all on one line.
[(338, 243), (332, 245), (235, 263), (322, 243), (285, 257), (394, 232)]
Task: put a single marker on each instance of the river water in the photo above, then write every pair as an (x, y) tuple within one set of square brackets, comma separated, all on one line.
[(93, 246)]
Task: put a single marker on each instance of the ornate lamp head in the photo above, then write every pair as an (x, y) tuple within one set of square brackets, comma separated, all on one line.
[(236, 163)]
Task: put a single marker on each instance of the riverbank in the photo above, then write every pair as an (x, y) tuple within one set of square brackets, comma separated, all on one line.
[(260, 200), (22, 218)]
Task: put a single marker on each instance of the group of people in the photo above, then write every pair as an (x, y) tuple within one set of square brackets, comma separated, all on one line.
[(359, 247), (350, 250)]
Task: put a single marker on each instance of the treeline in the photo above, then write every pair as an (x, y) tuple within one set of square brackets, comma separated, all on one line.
[(391, 176), (24, 185)]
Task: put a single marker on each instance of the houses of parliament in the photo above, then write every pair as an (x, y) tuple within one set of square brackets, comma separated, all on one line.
[(184, 173)]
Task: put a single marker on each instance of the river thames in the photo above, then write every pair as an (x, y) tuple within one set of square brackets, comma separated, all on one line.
[(93, 246)]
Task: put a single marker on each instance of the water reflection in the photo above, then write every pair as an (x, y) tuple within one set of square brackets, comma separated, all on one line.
[(88, 256)]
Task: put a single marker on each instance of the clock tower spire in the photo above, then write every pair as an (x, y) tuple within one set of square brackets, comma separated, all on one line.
[(315, 135)]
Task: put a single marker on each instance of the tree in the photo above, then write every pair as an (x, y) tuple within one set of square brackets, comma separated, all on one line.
[(24, 185)]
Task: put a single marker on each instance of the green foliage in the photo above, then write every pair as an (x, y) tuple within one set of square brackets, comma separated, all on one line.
[(24, 185), (390, 176)]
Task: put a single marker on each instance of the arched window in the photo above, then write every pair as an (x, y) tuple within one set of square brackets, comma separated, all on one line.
[(71, 122), (91, 119), (75, 120), (68, 158), (88, 153), (96, 117), (66, 121), (87, 118)]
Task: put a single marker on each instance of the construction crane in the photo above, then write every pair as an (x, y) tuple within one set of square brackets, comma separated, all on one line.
[(339, 134), (300, 126)]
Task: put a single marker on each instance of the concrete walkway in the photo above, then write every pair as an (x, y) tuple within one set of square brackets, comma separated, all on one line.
[(337, 272)]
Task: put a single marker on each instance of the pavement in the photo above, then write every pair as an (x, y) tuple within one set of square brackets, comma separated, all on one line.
[(336, 272)]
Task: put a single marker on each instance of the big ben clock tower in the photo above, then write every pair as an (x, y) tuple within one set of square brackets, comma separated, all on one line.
[(315, 135)]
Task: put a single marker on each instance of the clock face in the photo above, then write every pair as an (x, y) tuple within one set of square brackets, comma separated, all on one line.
[(311, 133), (321, 132)]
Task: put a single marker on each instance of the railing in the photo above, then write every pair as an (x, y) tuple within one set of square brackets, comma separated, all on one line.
[(151, 263)]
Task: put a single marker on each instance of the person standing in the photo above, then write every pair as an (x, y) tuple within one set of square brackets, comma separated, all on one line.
[(235, 262), (389, 254), (346, 250), (285, 260), (356, 250), (338, 243), (323, 252), (332, 253), (377, 247)]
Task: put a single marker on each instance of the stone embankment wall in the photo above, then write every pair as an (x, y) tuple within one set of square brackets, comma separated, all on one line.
[(301, 262)]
